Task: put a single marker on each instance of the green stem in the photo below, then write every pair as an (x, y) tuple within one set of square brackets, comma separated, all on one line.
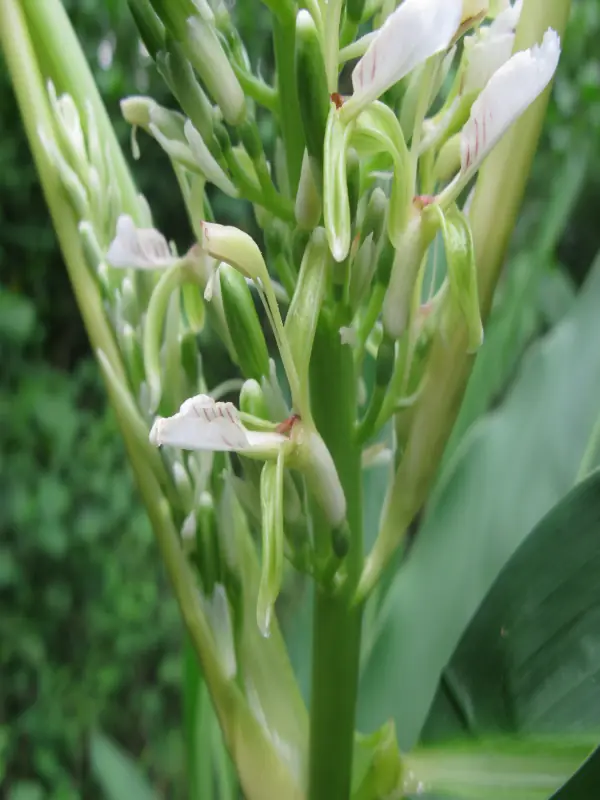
[(256, 88), (336, 632), (498, 196), (284, 40)]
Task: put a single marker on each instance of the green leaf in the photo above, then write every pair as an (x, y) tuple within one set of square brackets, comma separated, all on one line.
[(494, 769), (512, 467), (117, 773), (584, 783), (530, 659)]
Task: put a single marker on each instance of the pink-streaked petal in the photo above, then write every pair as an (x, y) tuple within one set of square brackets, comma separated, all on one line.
[(416, 30), (508, 93)]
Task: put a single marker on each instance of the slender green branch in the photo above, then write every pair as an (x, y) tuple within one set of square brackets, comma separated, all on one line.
[(336, 632), (498, 196)]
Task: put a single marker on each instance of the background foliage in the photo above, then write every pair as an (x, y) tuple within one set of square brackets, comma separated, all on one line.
[(90, 637)]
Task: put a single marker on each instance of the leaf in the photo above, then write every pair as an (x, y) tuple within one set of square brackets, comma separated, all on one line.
[(584, 783), (512, 467), (529, 662), (117, 773), (494, 769)]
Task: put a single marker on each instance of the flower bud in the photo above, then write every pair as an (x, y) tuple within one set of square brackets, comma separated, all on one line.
[(336, 204), (229, 244), (70, 132), (362, 271), (183, 484), (313, 95), (304, 310), (353, 180), (74, 188), (206, 162), (193, 305), (308, 200), (447, 163), (385, 261), (133, 357), (462, 273), (190, 360), (271, 499), (319, 470), (179, 75), (374, 218), (252, 400), (243, 323)]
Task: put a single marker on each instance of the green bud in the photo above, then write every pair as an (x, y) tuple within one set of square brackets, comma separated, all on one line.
[(271, 500), (385, 262), (362, 271), (192, 25), (313, 95), (304, 310), (206, 162), (384, 363), (243, 323), (183, 484), (222, 137), (308, 200), (74, 188), (237, 248), (193, 304), (340, 540), (207, 543), (252, 400), (190, 360), (133, 357), (150, 28), (336, 204), (447, 163), (353, 180), (179, 75), (130, 307), (462, 272), (250, 138), (299, 242), (91, 247), (374, 219), (314, 460), (398, 301)]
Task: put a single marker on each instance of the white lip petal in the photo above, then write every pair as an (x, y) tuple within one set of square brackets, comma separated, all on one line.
[(138, 248), (485, 57), (506, 96), (416, 30), (205, 424)]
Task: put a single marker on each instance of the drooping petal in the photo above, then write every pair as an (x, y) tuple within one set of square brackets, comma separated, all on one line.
[(507, 95), (138, 248), (204, 424), (416, 30)]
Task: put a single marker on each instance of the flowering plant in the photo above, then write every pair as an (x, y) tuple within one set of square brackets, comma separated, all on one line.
[(383, 214)]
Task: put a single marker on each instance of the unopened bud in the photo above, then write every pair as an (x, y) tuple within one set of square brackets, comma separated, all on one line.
[(193, 305), (271, 498), (319, 469), (374, 219), (313, 95), (183, 484), (237, 248), (134, 360), (384, 363), (190, 360), (243, 323), (252, 400), (308, 199), (353, 180), (448, 161), (178, 73)]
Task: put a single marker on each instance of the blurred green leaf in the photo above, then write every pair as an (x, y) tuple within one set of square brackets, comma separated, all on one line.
[(584, 783), (117, 773), (529, 661), (512, 467)]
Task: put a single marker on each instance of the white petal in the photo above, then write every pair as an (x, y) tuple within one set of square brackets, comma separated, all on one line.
[(507, 95), (138, 248), (416, 30), (485, 57), (203, 424), (507, 20)]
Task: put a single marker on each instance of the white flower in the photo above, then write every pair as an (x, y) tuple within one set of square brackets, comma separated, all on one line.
[(138, 248), (506, 96), (490, 48), (416, 30), (204, 424)]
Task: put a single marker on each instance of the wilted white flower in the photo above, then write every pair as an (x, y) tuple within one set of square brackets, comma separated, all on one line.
[(138, 248)]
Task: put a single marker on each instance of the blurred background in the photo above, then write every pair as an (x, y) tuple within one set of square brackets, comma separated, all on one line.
[(89, 635)]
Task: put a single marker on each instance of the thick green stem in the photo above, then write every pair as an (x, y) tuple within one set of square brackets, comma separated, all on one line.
[(284, 40), (336, 632), (498, 196)]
